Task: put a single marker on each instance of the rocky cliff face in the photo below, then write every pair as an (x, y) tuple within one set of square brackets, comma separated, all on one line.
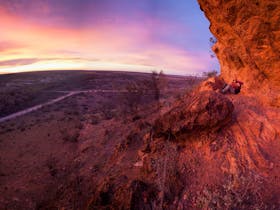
[(248, 40)]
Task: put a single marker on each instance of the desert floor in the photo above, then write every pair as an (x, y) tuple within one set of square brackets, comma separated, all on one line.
[(68, 127)]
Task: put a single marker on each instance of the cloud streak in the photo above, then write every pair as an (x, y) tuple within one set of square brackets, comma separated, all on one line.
[(18, 62)]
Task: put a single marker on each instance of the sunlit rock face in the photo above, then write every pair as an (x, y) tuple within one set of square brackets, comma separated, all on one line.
[(248, 41)]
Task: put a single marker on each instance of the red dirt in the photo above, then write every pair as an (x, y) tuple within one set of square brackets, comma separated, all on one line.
[(71, 159)]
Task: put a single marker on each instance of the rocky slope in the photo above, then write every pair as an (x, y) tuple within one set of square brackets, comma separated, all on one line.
[(248, 41), (184, 162), (210, 151)]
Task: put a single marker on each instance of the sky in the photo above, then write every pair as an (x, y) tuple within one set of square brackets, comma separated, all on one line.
[(129, 35)]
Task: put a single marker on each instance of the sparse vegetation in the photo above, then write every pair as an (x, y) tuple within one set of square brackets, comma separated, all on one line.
[(70, 136), (83, 134), (52, 166), (209, 74)]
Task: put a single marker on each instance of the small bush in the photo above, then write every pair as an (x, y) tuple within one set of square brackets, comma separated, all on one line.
[(70, 136), (52, 166), (209, 74)]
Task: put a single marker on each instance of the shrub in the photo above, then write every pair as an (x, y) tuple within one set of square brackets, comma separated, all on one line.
[(209, 74), (70, 136)]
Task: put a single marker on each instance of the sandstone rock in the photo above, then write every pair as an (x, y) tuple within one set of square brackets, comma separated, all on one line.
[(248, 34), (213, 83), (205, 110)]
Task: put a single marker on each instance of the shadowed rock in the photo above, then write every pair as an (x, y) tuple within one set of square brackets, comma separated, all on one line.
[(202, 111), (142, 196)]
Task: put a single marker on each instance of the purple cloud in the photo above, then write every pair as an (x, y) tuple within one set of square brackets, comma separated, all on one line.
[(19, 62)]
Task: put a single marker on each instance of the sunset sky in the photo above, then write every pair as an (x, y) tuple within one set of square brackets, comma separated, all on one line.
[(133, 35)]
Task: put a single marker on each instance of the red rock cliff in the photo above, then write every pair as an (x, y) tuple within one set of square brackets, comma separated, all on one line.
[(248, 34)]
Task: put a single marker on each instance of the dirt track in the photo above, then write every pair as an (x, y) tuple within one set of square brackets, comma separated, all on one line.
[(39, 106)]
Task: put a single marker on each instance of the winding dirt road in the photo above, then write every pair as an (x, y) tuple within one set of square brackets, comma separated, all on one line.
[(53, 101)]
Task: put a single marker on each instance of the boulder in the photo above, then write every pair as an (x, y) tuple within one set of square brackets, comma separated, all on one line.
[(213, 83), (202, 111)]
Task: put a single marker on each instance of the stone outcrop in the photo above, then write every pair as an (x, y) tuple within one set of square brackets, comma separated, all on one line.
[(248, 41), (203, 111)]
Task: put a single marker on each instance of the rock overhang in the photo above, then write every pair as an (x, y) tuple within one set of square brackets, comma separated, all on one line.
[(248, 41)]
